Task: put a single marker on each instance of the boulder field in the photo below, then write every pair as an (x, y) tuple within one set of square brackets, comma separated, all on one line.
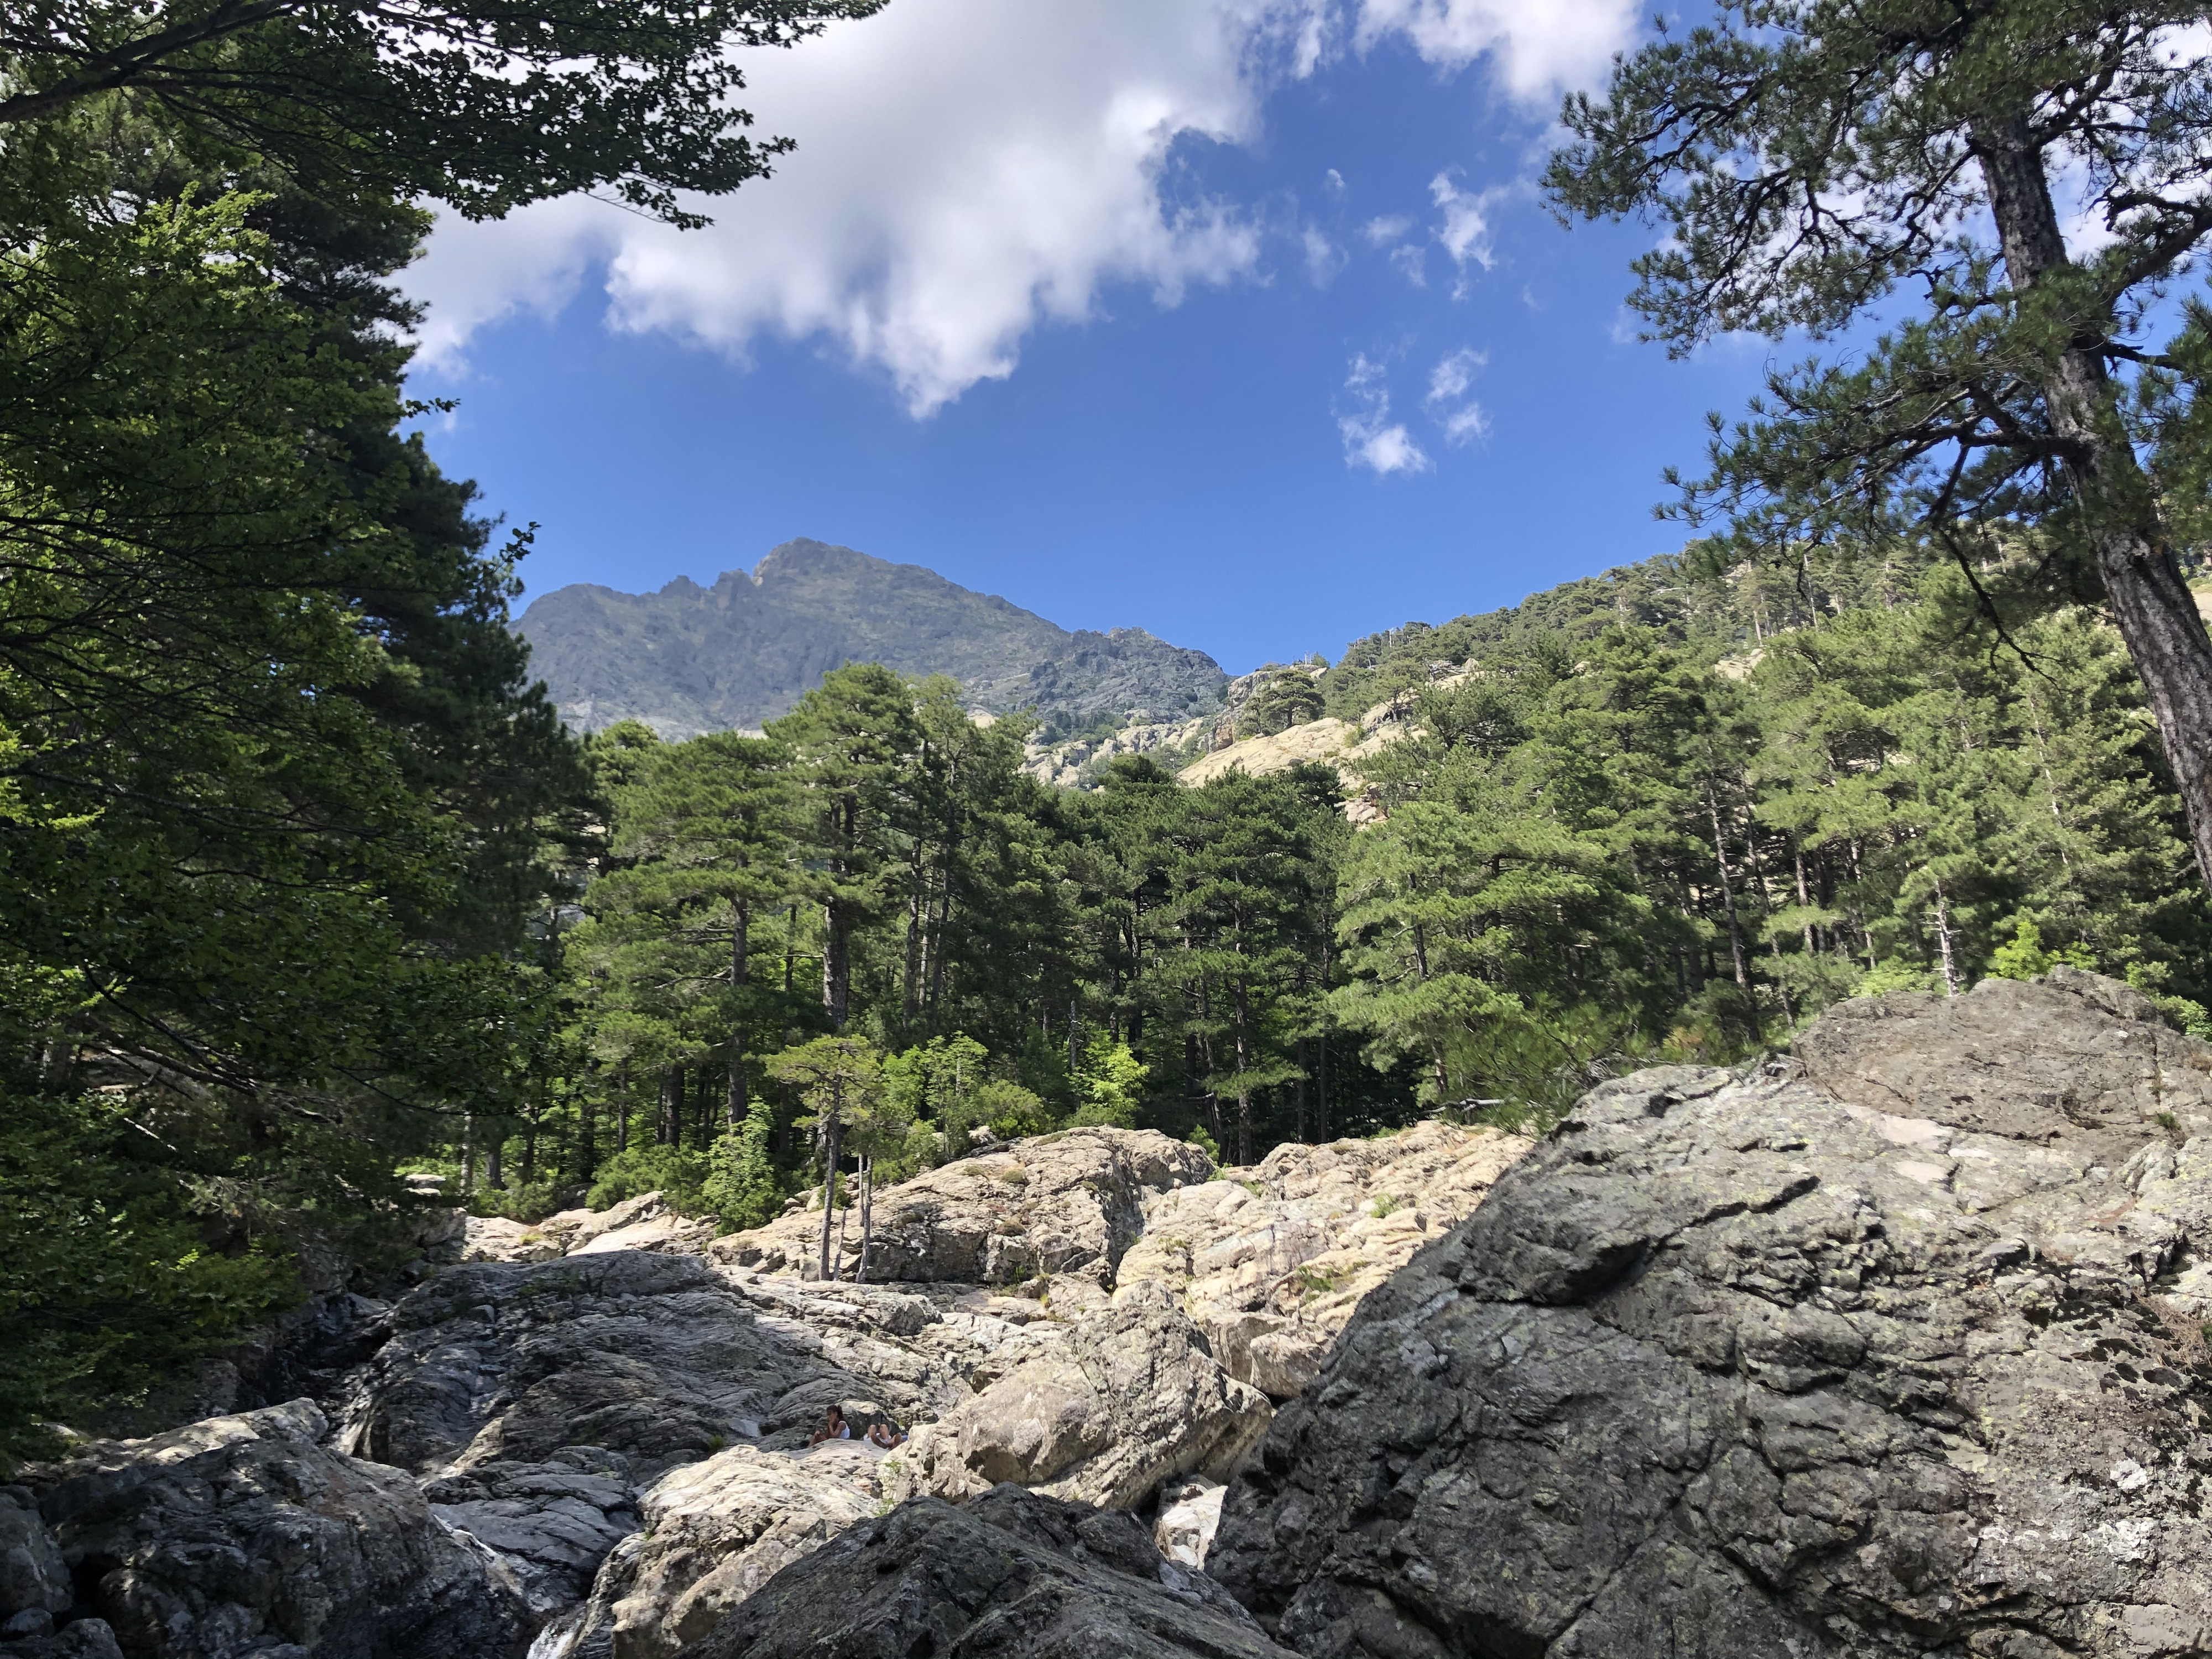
[(1896, 1345)]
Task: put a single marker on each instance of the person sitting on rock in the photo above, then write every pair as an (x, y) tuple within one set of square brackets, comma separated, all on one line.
[(884, 1436), (834, 1427)]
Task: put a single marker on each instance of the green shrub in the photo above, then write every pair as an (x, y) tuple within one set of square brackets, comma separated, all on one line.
[(678, 1174), (741, 1187), (1012, 1110)]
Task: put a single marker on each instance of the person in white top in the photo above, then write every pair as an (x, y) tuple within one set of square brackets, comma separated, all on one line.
[(834, 1427)]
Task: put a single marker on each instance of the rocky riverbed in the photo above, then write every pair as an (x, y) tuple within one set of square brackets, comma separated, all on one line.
[(1896, 1345)]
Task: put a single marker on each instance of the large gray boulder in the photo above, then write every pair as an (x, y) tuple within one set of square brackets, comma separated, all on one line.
[(1130, 1396), (1898, 1348), (1012, 1575), (1071, 1202), (539, 1402), (243, 1534)]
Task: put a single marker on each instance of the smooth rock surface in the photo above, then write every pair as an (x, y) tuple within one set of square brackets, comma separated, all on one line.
[(1070, 1202), (1898, 1350), (242, 1534), (1272, 1260), (1010, 1575)]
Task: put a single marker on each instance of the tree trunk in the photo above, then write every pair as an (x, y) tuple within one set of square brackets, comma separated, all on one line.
[(2155, 612), (829, 1188), (837, 966), (1320, 1088), (1728, 888), (740, 968), (837, 1255), (1943, 942), (868, 1213), (1298, 1095)]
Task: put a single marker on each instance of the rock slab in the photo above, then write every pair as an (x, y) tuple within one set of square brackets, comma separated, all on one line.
[(1897, 1349), (1012, 1575), (1071, 1202), (243, 1534), (1272, 1260)]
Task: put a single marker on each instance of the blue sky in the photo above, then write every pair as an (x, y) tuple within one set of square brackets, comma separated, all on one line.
[(1238, 320)]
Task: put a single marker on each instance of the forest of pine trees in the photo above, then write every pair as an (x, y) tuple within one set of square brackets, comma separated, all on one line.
[(1656, 815)]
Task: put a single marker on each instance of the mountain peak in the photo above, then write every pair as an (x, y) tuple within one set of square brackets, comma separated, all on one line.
[(689, 658)]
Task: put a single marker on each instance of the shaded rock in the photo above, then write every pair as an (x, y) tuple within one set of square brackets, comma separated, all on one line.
[(551, 1524), (714, 1534), (1070, 1202), (1130, 1397), (1899, 1356), (86, 1639), (1010, 1575), (32, 1575), (659, 1358), (1272, 1262), (242, 1534)]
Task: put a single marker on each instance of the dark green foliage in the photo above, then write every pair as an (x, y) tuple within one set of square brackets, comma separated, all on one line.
[(486, 106), (1807, 158)]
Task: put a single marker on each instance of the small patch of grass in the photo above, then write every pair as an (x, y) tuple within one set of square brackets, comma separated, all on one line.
[(1388, 1204)]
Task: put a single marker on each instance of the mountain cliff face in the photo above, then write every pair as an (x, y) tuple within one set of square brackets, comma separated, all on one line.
[(691, 658)]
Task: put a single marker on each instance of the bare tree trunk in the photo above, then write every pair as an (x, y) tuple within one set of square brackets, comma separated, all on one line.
[(740, 968), (495, 1177), (468, 1156), (2156, 613), (1728, 888), (829, 1188), (837, 1256), (868, 1213), (837, 966), (1943, 942), (1320, 1088)]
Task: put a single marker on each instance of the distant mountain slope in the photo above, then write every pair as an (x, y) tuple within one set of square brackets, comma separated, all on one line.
[(691, 658)]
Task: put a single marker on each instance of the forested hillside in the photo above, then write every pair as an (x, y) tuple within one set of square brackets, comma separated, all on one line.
[(1668, 813)]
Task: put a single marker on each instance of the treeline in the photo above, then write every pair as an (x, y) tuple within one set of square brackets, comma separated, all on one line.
[(878, 867), (1601, 842)]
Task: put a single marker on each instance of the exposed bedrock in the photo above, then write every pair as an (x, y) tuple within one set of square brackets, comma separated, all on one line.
[(1011, 1574), (1897, 1348), (243, 1534)]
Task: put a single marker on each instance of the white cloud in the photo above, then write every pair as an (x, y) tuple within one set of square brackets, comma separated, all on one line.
[(1390, 227), (1462, 418), (1453, 374), (1324, 260), (1371, 438), (1333, 182), (1411, 260), (1536, 45), (969, 170), (1464, 229)]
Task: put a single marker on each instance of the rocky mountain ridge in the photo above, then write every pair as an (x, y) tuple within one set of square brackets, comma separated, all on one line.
[(1895, 1346), (688, 658)]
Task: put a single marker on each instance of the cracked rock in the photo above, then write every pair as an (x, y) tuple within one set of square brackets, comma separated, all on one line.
[(1896, 1349)]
